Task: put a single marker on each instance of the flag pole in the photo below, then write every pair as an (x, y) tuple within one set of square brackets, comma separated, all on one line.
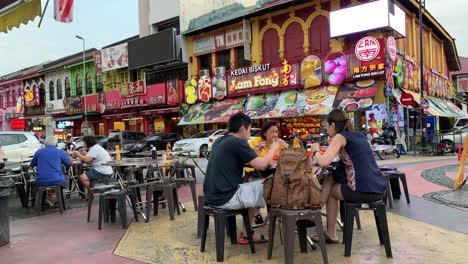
[(43, 13)]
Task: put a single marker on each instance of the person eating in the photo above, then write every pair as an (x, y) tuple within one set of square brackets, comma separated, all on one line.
[(359, 180), (261, 145)]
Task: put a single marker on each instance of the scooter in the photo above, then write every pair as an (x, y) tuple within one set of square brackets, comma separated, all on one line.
[(383, 145)]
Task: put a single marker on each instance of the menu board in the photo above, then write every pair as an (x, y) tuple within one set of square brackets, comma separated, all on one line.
[(217, 111), (261, 106), (357, 96)]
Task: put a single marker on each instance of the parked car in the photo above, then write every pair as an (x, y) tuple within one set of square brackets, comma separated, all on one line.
[(254, 133), (452, 139), (460, 123), (103, 142), (19, 145), (123, 138), (159, 140), (199, 143), (79, 141), (2, 159)]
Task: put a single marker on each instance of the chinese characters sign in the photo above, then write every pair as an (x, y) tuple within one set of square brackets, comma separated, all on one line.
[(134, 89), (367, 48), (368, 61), (97, 61)]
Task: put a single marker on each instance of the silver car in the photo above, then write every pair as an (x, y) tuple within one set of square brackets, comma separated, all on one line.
[(453, 139), (19, 145)]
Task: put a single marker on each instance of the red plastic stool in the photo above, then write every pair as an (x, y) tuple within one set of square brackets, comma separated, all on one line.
[(460, 151)]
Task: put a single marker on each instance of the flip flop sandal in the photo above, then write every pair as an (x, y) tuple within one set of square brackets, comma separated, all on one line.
[(243, 240), (328, 240)]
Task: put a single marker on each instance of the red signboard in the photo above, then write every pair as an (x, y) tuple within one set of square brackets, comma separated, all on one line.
[(134, 89), (18, 123), (92, 103), (367, 66), (97, 61), (462, 86), (407, 99), (113, 100), (156, 94)]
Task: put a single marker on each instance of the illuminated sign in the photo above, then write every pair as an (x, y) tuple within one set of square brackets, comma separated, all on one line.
[(18, 123), (252, 69), (262, 77), (65, 124), (37, 128)]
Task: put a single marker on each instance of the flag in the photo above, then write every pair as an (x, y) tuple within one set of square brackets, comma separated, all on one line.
[(63, 10)]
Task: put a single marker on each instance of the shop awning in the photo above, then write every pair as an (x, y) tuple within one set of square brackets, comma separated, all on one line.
[(213, 112), (67, 118), (310, 102), (13, 13), (449, 108), (358, 96), (433, 109), (261, 106)]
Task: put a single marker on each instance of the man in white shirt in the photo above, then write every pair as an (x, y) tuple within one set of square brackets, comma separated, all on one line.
[(96, 156)]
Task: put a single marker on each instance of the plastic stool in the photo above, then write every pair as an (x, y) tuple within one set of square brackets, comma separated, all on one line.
[(289, 219), (221, 217), (41, 190), (107, 206), (380, 216)]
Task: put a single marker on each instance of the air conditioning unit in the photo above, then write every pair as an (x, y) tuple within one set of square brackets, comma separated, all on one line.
[(50, 106), (204, 72), (220, 70)]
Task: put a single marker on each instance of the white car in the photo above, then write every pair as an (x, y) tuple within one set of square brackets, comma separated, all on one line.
[(19, 145), (453, 139), (199, 143)]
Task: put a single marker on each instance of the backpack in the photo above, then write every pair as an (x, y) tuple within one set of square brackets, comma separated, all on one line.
[(294, 185)]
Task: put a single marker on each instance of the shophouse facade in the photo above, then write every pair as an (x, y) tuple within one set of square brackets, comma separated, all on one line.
[(323, 65), (11, 102)]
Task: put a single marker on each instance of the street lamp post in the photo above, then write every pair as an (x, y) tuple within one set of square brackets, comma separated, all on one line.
[(422, 4), (84, 85)]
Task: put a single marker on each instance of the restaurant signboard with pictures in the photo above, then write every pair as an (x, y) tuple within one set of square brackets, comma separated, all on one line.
[(264, 76), (368, 59), (357, 96), (114, 58), (72, 105)]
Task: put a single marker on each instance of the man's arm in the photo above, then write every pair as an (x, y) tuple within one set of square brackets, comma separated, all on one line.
[(66, 159), (262, 163), (83, 158), (34, 160)]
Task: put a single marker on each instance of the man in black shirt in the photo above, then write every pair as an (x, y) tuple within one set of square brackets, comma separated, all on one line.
[(223, 185)]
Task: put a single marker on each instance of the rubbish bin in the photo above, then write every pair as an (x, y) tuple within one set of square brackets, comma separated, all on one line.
[(6, 185)]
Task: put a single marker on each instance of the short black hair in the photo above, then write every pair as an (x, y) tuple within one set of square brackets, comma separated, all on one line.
[(237, 121), (90, 141)]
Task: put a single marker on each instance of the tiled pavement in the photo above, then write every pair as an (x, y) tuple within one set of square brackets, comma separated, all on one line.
[(67, 238)]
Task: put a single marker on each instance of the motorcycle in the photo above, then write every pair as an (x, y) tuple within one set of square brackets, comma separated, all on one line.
[(384, 143)]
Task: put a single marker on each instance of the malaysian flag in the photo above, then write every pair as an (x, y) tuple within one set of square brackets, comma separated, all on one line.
[(63, 10)]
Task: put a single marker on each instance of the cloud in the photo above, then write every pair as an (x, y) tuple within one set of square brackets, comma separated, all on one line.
[(450, 14)]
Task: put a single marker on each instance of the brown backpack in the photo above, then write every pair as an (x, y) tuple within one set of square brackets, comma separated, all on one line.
[(294, 185)]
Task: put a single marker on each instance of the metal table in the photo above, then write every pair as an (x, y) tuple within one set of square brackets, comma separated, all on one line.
[(138, 162)]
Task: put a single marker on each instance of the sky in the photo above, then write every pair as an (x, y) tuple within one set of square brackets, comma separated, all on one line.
[(100, 22), (103, 22)]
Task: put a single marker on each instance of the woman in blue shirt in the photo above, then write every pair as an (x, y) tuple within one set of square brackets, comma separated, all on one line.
[(361, 179)]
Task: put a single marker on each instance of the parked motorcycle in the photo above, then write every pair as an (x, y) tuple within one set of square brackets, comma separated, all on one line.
[(387, 142)]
